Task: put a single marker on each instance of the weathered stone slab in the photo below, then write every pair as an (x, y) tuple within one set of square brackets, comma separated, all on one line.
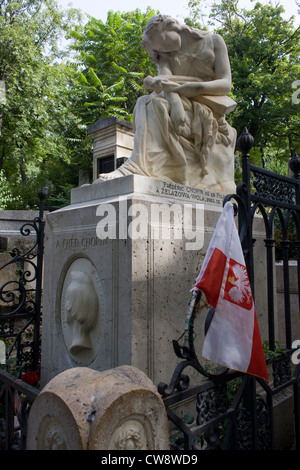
[(83, 409)]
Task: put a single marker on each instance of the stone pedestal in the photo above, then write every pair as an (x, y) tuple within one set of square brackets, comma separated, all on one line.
[(119, 265), (121, 296)]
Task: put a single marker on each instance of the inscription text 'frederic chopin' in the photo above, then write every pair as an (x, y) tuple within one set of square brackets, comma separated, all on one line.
[(84, 242)]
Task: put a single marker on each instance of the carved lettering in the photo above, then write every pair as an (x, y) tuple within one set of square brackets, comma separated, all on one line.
[(84, 242), (188, 193)]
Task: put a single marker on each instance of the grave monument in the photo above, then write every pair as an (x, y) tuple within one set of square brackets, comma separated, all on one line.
[(121, 259)]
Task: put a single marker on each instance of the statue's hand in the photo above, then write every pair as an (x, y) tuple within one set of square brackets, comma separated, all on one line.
[(148, 82), (153, 84), (190, 90), (169, 86), (159, 84)]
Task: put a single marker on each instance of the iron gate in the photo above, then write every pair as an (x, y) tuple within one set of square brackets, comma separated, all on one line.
[(21, 298), (235, 410), (20, 329)]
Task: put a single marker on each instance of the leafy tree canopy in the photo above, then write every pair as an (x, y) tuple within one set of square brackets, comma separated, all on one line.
[(113, 64), (264, 51)]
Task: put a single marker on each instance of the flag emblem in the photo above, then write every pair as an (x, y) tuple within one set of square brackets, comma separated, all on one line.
[(237, 289)]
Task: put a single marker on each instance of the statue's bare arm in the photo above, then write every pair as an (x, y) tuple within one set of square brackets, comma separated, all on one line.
[(191, 86)]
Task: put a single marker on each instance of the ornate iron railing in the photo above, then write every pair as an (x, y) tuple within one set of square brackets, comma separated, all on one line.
[(20, 324), (231, 410), (16, 398), (21, 297)]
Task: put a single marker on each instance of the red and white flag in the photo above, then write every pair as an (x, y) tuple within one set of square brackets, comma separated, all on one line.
[(233, 338)]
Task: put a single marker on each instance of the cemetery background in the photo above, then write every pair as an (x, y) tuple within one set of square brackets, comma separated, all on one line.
[(77, 198)]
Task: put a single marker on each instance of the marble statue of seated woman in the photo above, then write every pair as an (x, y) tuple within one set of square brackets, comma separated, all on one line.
[(181, 134)]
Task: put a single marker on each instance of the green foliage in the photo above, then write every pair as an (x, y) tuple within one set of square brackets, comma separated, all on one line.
[(98, 99), (6, 196), (112, 65), (269, 353), (197, 14), (264, 51), (53, 94), (36, 121)]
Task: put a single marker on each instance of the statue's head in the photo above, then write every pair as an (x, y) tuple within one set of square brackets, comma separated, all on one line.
[(161, 34)]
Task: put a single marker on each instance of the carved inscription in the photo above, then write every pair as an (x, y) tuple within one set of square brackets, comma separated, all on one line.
[(179, 191), (84, 242)]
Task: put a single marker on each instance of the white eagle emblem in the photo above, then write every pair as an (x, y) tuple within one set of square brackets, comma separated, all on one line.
[(240, 293)]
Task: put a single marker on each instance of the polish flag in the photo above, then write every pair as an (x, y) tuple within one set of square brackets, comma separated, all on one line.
[(233, 338)]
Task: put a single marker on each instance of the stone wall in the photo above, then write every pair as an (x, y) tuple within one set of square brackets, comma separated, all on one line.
[(294, 300), (10, 223)]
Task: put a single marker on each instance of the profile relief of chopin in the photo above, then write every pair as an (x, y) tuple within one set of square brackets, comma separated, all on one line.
[(81, 304)]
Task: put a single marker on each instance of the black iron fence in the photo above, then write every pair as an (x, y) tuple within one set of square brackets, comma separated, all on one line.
[(20, 331), (16, 398), (21, 297), (232, 410)]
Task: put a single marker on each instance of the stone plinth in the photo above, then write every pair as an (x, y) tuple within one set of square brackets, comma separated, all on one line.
[(118, 275), (83, 409)]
